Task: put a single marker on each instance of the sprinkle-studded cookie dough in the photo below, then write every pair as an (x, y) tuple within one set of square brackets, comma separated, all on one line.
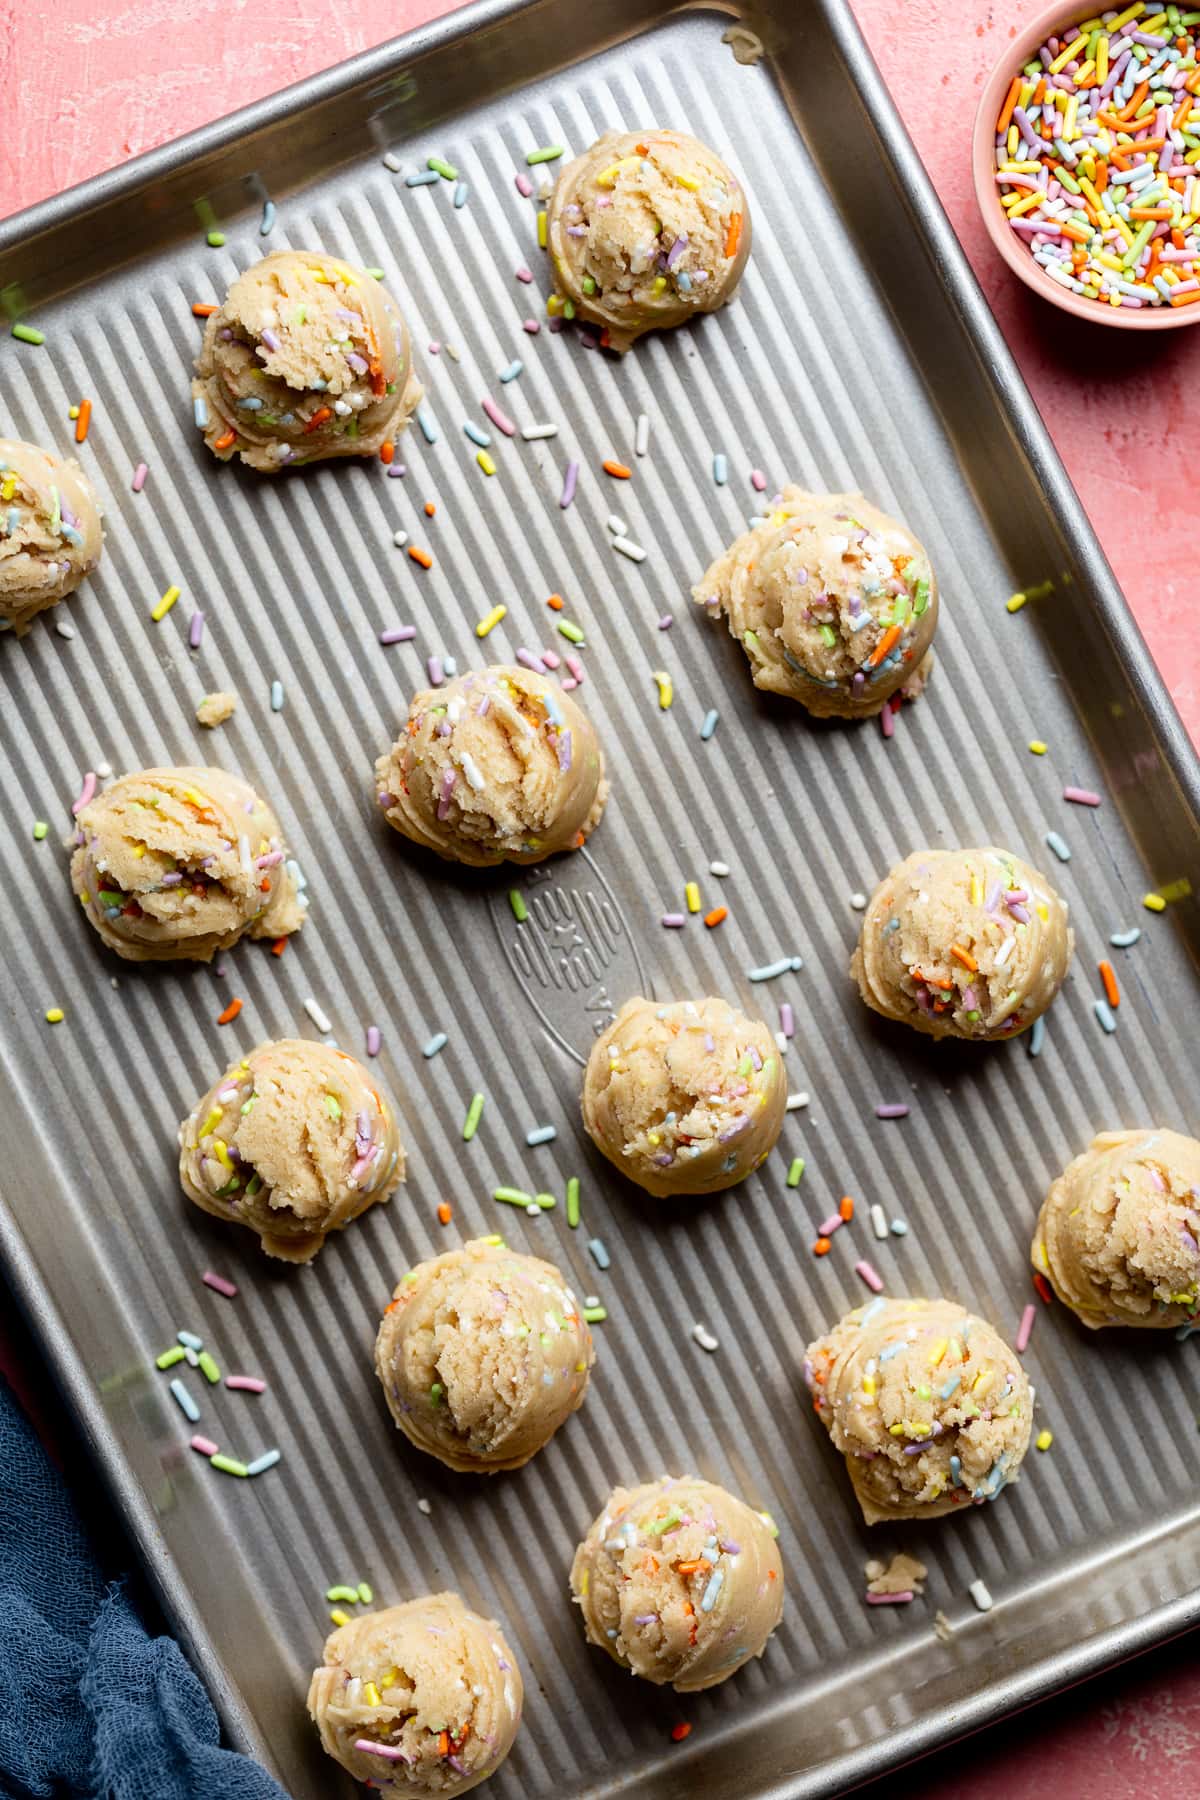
[(50, 534)]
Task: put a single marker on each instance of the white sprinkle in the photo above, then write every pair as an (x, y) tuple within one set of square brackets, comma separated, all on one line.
[(64, 629), (320, 1019), (1005, 951), (704, 1338), (718, 868), (103, 771), (628, 548), (400, 538), (796, 1101), (392, 161), (641, 440), (532, 432), (423, 1506), (879, 1224), (858, 902), (782, 1043), (979, 1594), (618, 527)]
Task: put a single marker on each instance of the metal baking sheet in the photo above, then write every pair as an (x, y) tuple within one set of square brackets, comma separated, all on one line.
[(860, 354)]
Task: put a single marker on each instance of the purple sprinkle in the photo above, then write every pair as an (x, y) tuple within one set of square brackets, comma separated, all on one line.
[(890, 1110), (676, 251), (196, 630), (1020, 913), (435, 671), (449, 777), (270, 340), (399, 634), (359, 363), (374, 1040), (787, 1020), (529, 660), (644, 1618), (859, 682), (386, 800), (666, 622), (674, 921), (731, 1131), (568, 489), (564, 750), (397, 471), (172, 880)]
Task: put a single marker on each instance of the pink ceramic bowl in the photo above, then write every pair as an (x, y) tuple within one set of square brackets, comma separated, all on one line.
[(1021, 49)]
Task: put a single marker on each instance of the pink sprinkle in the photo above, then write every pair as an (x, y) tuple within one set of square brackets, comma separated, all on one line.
[(399, 634), (524, 185), (525, 275), (886, 722), (245, 1384), (870, 1276), (373, 1040), (569, 684), (1025, 1330), (532, 326), (551, 658), (390, 1751), (889, 1599), (86, 791), (890, 1110), (500, 420), (787, 1020), (758, 481), (1081, 796), (666, 622), (828, 1226), (576, 667), (528, 660), (196, 630), (139, 478), (435, 671), (220, 1284), (205, 1446), (674, 921), (434, 347)]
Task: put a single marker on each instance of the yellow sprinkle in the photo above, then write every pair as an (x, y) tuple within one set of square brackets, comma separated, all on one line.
[(608, 177), (584, 1583), (1016, 603), (55, 1015), (666, 692), (1037, 746), (389, 1678), (1044, 1439), (554, 305), (1025, 205), (938, 1351), (1042, 912), (1176, 890), (868, 1384), (339, 1617), (72, 412), (916, 1428), (9, 488), (660, 281), (1154, 903), (85, 899), (213, 1120), (1065, 56), (976, 891), (222, 1154), (542, 229), (691, 894), (1102, 62), (956, 1354), (485, 462), (165, 604), (686, 181), (139, 850), (1012, 141), (371, 1694), (490, 621)]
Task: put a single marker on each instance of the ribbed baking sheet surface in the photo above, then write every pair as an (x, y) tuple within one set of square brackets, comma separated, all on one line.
[(807, 377)]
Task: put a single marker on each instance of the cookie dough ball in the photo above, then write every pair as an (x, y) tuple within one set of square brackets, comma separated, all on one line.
[(178, 863), (418, 1699), (293, 1142), (834, 603), (679, 1581), (1119, 1232), (499, 766), (306, 358), (50, 532), (646, 229), (929, 1406), (963, 943), (483, 1354), (686, 1098)]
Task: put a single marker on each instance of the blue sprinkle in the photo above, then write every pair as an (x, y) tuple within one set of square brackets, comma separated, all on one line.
[(460, 195), (1037, 1037), (189, 1340), (545, 1134), (277, 696), (200, 412), (1059, 846), (187, 1405), (899, 1228), (892, 925), (890, 1350), (250, 403), (1103, 1012), (426, 178), (868, 1312), (720, 470), (268, 219), (267, 1460), (437, 1042), (683, 282), (515, 368), (768, 971), (600, 1255), (425, 418), (710, 723), (956, 1471), (1122, 940), (715, 1582), (14, 519), (951, 1387), (449, 667), (554, 711), (477, 434)]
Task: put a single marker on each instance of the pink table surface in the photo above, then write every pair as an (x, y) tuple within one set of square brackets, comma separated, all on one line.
[(116, 77)]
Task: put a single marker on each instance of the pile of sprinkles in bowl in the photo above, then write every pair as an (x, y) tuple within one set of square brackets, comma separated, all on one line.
[(1098, 157)]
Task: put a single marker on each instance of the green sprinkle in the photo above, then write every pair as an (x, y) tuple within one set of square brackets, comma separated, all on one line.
[(228, 1466), (495, 1239), (571, 632), (110, 897), (170, 1357), (588, 285), (471, 1122), (332, 1106), (215, 239), (568, 309), (573, 1202), (446, 170), (40, 829), (550, 153), (365, 1593), (208, 1368), (28, 334), (349, 1594), (435, 1394), (828, 637), (795, 1172), (511, 1196), (375, 274), (595, 1314), (921, 597), (547, 1202), (517, 901), (750, 638), (665, 1523)]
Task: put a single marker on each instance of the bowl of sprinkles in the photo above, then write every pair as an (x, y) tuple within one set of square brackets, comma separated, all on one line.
[(1087, 162)]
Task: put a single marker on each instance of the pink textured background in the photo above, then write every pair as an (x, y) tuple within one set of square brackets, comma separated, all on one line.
[(115, 77)]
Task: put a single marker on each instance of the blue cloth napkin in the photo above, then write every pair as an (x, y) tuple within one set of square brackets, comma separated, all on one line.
[(91, 1706)]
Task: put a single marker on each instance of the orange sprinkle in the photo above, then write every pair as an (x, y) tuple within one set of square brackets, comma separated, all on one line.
[(555, 602), (618, 470), (231, 1012), (83, 421), (444, 1213), (226, 441), (733, 235), (1185, 107), (443, 1743), (1076, 233), (202, 309), (1140, 93), (846, 1208), (689, 1568), (821, 1247), (387, 451), (420, 556), (716, 916), (885, 646), (279, 946), (964, 957), (1006, 111), (430, 509), (1108, 977), (318, 419), (1149, 212), (680, 1731), (1186, 299), (642, 149)]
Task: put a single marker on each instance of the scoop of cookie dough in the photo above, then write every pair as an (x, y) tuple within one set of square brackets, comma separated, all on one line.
[(929, 1406), (306, 358), (963, 943), (498, 766), (679, 1581), (1119, 1231), (50, 532), (178, 863), (834, 603), (645, 229), (483, 1354), (685, 1098), (418, 1699), (293, 1141)]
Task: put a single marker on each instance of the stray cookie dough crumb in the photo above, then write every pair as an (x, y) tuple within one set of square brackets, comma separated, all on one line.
[(214, 709), (903, 1575), (943, 1630)]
